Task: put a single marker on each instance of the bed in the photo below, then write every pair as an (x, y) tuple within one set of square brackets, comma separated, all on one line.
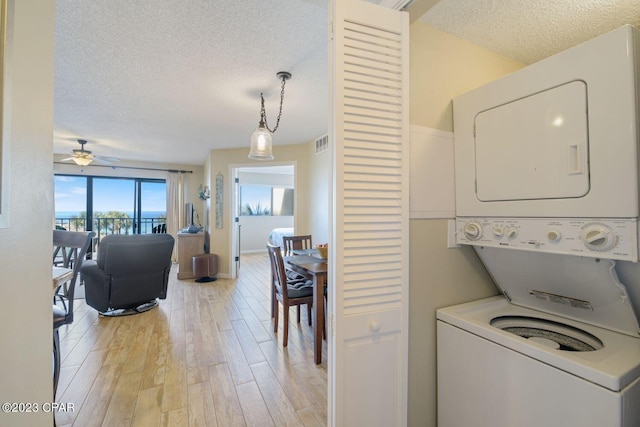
[(276, 235)]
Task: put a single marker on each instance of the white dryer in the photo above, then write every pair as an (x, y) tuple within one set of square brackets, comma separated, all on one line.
[(558, 138), (547, 193)]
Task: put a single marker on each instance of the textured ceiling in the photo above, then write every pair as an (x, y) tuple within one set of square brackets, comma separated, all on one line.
[(170, 80), (531, 30)]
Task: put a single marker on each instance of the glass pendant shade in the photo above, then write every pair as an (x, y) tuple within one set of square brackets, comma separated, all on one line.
[(82, 161), (261, 145)]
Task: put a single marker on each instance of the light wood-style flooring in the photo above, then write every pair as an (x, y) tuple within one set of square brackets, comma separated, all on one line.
[(206, 357)]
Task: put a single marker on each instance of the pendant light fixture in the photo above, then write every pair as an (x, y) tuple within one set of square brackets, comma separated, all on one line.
[(261, 147)]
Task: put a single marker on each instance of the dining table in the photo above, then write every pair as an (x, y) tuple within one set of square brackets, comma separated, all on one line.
[(60, 275), (308, 263)]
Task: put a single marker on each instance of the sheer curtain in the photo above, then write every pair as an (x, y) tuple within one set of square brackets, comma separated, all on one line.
[(175, 211)]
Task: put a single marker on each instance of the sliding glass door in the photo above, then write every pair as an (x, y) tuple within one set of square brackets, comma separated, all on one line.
[(114, 206), (70, 202), (151, 206), (110, 205)]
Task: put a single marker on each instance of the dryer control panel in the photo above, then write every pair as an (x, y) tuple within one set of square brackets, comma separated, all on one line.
[(591, 237)]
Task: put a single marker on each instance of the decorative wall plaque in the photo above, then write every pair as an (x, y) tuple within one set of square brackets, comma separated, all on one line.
[(219, 197)]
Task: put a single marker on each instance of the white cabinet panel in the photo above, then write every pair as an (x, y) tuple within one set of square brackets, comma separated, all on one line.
[(431, 174), (381, 336)]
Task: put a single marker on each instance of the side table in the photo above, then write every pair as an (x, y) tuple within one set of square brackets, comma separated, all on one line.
[(189, 245)]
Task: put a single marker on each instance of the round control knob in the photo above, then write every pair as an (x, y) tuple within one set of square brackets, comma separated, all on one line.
[(598, 237), (554, 236), (512, 233), (472, 230), (498, 232)]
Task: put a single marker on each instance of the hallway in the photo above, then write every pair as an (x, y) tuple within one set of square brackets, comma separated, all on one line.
[(206, 357)]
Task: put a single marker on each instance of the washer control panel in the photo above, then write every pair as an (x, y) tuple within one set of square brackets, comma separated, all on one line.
[(592, 237)]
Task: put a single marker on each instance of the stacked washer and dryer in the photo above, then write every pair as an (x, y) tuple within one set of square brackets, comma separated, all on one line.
[(547, 193)]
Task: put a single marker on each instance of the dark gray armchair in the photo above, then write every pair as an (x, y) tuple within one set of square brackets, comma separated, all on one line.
[(130, 273)]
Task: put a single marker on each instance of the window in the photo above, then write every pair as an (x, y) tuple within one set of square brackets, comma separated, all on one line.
[(110, 205), (71, 202), (266, 200)]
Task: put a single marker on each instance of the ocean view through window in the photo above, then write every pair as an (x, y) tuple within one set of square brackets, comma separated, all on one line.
[(110, 205)]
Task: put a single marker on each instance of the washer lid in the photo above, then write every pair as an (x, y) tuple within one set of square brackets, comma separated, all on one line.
[(583, 289)]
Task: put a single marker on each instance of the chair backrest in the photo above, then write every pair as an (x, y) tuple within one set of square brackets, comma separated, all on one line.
[(278, 271), (129, 271), (296, 242), (69, 251), (124, 255)]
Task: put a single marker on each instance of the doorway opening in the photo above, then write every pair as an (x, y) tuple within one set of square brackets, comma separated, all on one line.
[(263, 208)]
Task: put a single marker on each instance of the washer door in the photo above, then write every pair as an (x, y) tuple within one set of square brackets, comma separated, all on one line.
[(583, 289), (547, 332)]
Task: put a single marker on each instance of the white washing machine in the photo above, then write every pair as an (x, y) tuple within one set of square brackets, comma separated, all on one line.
[(504, 363), (547, 193)]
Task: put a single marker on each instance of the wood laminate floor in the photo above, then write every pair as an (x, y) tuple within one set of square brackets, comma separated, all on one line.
[(207, 356)]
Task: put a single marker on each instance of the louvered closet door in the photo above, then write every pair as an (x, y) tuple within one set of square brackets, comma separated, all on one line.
[(369, 264)]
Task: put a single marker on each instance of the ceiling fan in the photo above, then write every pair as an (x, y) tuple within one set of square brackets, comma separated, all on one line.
[(84, 157)]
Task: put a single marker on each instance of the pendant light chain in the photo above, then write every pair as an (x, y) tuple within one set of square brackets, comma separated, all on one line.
[(261, 141), (263, 115)]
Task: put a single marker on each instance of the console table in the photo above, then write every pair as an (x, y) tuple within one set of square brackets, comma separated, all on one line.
[(189, 245)]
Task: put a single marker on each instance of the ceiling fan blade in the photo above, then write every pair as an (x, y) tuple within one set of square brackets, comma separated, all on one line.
[(106, 159), (101, 160), (67, 159)]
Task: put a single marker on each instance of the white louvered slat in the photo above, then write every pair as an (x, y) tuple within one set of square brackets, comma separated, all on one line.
[(373, 76), (364, 106)]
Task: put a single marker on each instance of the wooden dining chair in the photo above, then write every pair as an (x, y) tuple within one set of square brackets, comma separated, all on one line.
[(290, 243), (71, 248), (296, 242), (288, 292)]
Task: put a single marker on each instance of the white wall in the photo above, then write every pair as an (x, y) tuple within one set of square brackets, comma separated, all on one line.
[(221, 162), (311, 200), (26, 245), (255, 231), (319, 190), (257, 178), (442, 67)]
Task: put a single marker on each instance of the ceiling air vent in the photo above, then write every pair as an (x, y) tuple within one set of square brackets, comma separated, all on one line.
[(322, 144), (393, 4)]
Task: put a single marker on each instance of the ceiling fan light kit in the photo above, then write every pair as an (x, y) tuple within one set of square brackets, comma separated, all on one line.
[(261, 141), (82, 157), (82, 161)]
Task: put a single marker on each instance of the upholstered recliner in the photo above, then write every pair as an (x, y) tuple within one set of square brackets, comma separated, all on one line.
[(130, 273)]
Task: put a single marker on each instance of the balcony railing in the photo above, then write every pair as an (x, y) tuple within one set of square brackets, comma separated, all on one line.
[(106, 226)]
